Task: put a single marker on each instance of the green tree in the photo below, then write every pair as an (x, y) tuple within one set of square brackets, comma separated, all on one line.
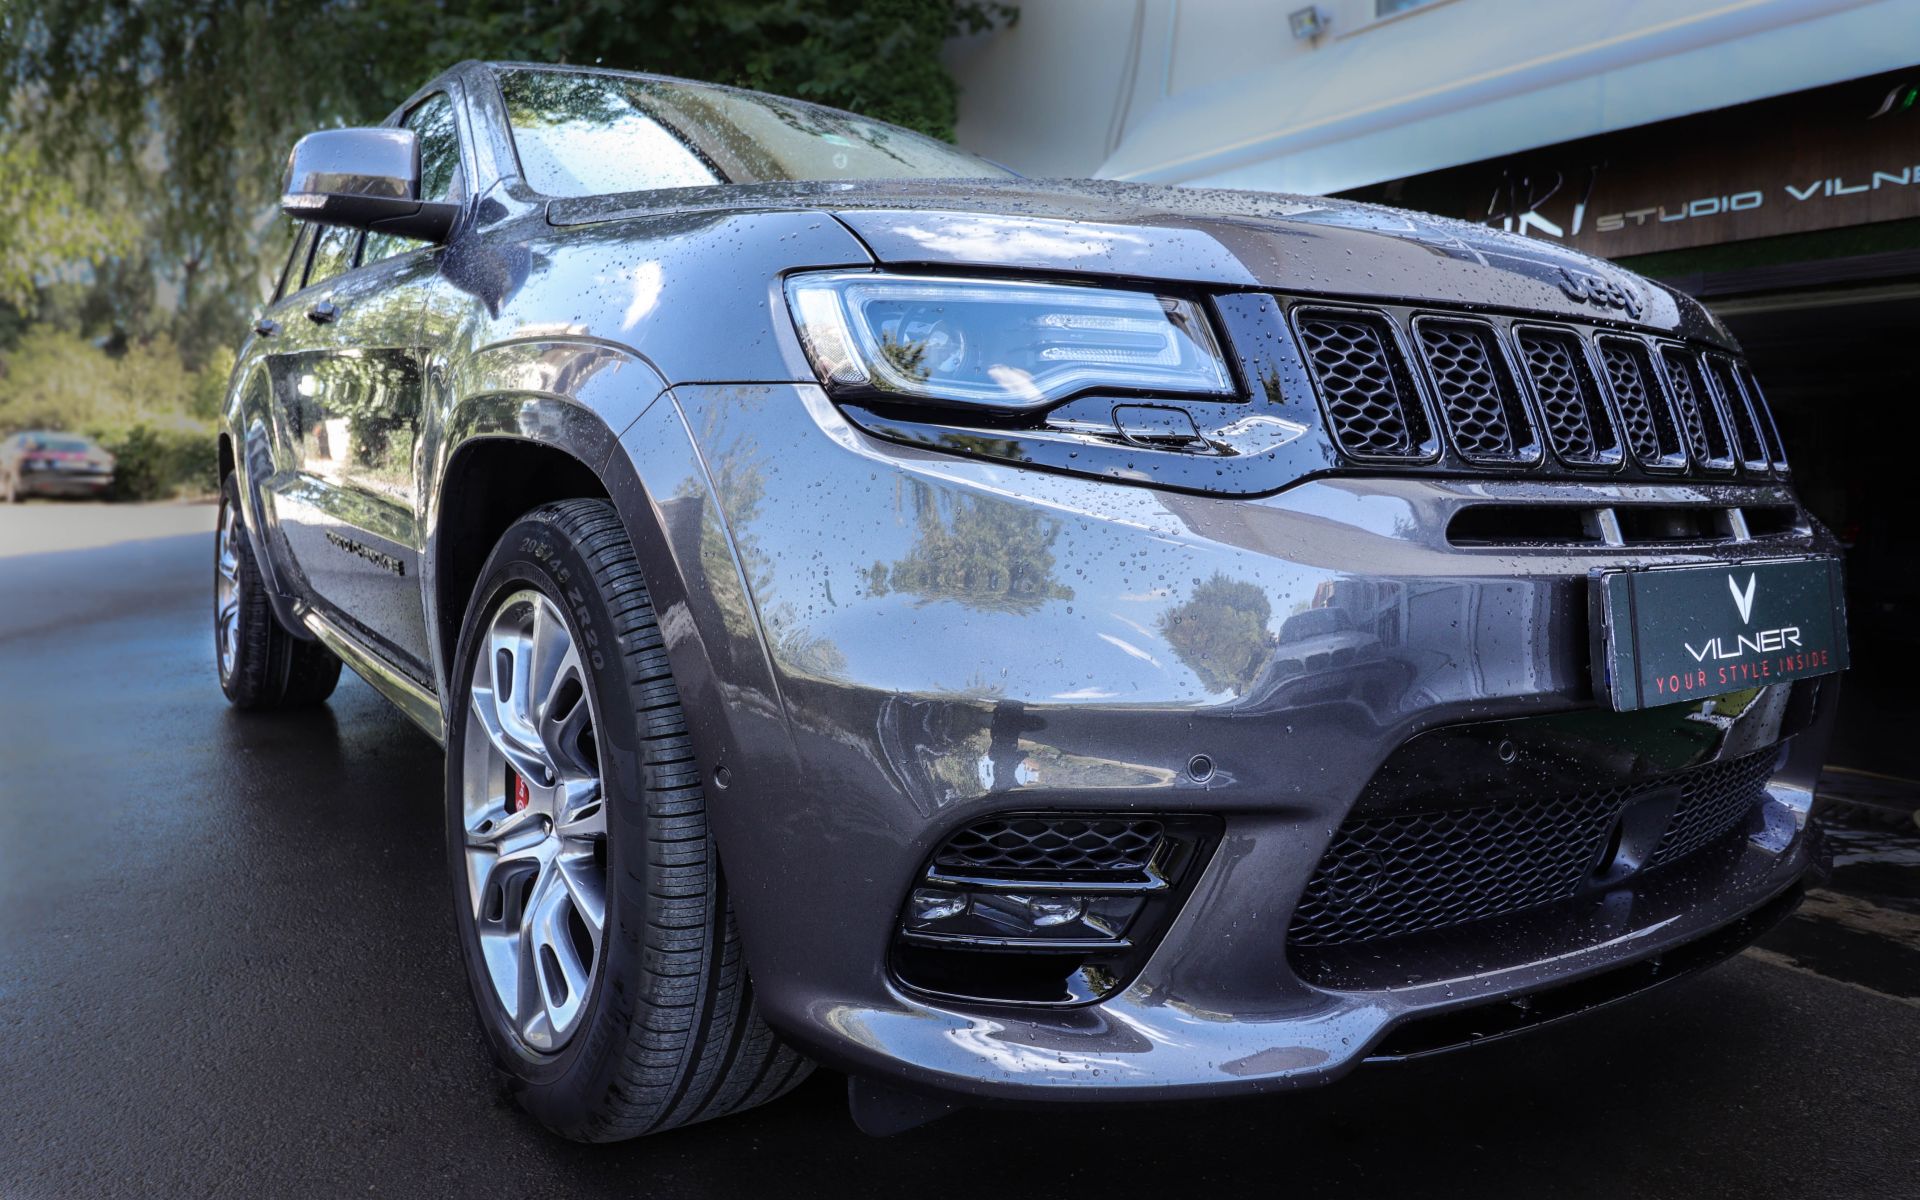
[(980, 551), (46, 231), (190, 105), (1221, 632)]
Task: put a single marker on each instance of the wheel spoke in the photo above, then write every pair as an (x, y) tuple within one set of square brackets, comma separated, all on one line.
[(503, 830), (581, 814), (559, 976), (511, 660), (586, 890), (562, 714), (500, 703)]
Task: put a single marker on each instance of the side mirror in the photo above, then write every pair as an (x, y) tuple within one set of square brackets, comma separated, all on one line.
[(366, 179)]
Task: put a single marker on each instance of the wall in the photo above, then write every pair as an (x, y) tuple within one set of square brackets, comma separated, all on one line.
[(1219, 92)]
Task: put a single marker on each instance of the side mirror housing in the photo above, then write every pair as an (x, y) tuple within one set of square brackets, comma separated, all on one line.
[(366, 179)]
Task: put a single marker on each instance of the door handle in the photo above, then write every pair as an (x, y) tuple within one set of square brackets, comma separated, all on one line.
[(322, 313), (266, 327)]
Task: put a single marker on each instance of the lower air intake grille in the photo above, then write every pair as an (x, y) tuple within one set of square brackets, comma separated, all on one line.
[(1387, 875), (1372, 406), (1023, 844), (1716, 799)]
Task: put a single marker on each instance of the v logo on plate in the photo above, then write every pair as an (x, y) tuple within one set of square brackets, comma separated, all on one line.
[(1742, 600)]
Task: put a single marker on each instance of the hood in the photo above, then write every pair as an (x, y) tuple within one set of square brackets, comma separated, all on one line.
[(1298, 244)]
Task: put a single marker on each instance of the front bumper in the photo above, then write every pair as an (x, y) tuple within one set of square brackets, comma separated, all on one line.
[(881, 645), (64, 483)]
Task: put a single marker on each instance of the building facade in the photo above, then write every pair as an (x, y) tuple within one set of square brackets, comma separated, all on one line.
[(1763, 155)]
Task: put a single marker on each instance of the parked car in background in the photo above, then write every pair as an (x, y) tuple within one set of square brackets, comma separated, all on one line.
[(1013, 641), (43, 463)]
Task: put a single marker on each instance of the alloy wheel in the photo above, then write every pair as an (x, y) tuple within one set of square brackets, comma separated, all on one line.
[(534, 820), (226, 589)]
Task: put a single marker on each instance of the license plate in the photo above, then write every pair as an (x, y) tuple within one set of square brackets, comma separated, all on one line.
[(1672, 634)]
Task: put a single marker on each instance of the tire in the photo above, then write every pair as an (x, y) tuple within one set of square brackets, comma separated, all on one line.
[(262, 667), (667, 1033)]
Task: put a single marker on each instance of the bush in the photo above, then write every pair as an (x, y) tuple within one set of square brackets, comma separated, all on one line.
[(152, 464), (143, 404)]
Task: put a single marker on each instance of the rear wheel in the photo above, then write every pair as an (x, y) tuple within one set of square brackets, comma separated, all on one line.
[(599, 943), (262, 667)]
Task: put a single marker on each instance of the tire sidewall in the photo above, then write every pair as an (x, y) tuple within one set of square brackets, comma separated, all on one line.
[(561, 1087)]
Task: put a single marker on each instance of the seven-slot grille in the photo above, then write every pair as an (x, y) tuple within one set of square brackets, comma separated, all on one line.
[(1395, 873), (1512, 394)]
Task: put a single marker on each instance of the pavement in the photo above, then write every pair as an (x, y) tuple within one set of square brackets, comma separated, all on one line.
[(227, 968)]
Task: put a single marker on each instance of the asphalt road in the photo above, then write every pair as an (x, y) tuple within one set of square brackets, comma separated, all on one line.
[(227, 968)]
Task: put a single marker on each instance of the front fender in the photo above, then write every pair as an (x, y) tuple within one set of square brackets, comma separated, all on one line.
[(570, 395)]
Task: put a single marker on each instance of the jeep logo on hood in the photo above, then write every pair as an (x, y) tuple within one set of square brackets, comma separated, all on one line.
[(1602, 293)]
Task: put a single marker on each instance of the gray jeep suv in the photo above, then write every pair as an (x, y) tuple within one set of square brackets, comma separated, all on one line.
[(1010, 641)]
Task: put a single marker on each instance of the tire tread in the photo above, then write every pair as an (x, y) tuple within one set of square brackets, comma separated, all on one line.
[(697, 1047)]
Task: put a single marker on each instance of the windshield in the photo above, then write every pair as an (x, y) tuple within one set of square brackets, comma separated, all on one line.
[(54, 443), (583, 134)]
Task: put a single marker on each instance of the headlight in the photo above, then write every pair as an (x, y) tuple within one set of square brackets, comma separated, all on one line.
[(1001, 344)]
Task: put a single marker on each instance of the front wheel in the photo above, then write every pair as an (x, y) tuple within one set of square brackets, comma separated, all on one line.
[(599, 944)]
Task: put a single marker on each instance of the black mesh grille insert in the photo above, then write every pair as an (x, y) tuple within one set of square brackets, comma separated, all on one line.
[(1391, 874), (1706, 437), (1764, 414), (1645, 416), (1577, 425), (1476, 392), (1033, 844), (1371, 405), (1733, 401), (1715, 799)]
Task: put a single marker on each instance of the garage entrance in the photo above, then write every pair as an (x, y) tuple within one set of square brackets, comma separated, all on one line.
[(1841, 367)]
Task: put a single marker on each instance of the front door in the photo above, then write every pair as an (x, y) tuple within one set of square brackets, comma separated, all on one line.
[(347, 380)]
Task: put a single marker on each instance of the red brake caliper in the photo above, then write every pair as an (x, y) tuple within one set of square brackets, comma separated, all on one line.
[(520, 796)]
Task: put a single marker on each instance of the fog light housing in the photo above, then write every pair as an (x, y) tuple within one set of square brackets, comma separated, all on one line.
[(1046, 911), (930, 906), (1046, 908)]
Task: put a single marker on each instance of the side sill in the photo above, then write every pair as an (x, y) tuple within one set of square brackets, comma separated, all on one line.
[(420, 706)]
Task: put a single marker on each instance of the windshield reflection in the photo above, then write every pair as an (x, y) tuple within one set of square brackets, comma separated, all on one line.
[(584, 133)]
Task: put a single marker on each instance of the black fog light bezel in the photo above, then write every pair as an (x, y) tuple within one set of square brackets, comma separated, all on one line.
[(979, 965)]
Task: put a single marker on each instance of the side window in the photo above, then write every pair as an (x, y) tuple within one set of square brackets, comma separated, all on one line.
[(296, 265), (332, 254), (440, 175)]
